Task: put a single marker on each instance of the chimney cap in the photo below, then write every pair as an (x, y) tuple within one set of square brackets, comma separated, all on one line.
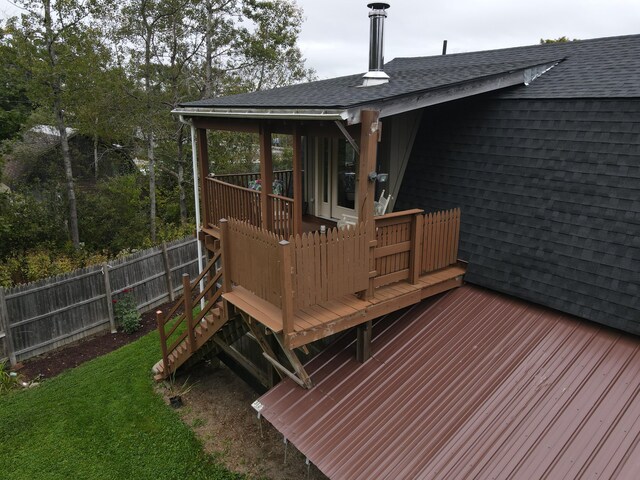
[(378, 5)]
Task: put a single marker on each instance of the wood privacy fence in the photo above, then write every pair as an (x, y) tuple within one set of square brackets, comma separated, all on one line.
[(49, 313)]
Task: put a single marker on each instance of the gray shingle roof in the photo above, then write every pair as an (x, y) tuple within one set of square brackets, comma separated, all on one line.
[(603, 67)]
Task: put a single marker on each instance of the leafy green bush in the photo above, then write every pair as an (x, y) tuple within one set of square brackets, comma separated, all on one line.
[(126, 312), (8, 380)]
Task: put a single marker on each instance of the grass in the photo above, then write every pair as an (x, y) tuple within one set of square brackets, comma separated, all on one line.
[(101, 420)]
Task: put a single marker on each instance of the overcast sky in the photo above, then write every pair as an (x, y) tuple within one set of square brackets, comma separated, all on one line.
[(335, 33)]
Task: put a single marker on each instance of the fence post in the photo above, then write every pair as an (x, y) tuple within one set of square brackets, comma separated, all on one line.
[(188, 311), (6, 328), (167, 269), (226, 257), (417, 232), (163, 341), (109, 299), (286, 291)]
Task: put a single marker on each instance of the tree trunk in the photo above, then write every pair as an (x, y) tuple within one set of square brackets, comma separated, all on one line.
[(56, 90), (208, 67), (95, 153), (150, 144)]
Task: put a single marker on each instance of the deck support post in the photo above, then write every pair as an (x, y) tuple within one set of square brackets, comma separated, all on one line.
[(203, 173), (295, 363), (363, 343), (297, 181), (266, 175), (369, 137), (263, 342)]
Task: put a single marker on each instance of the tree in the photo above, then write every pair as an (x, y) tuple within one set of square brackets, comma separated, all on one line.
[(58, 49), (562, 39)]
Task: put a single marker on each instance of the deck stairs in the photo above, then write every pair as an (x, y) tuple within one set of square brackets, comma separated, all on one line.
[(186, 335)]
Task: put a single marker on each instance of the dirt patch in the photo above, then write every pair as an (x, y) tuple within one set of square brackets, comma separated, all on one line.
[(217, 406), (57, 361)]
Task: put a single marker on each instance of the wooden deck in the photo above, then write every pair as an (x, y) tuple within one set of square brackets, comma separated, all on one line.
[(318, 321)]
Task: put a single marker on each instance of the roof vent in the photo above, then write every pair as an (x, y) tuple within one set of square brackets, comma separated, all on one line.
[(376, 75)]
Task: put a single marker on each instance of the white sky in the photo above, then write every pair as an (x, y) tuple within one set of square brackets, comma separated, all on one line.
[(335, 33)]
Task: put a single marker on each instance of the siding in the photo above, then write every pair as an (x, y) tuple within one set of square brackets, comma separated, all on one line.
[(550, 198)]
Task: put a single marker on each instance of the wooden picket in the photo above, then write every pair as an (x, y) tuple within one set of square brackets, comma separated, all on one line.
[(253, 260), (329, 265), (440, 240)]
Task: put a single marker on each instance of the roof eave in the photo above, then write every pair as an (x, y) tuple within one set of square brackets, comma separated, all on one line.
[(262, 113), (426, 98)]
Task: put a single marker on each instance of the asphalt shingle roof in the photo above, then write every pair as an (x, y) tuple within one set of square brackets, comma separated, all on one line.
[(603, 67)]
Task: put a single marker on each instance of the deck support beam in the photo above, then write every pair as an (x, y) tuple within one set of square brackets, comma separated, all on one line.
[(263, 342), (363, 342), (295, 363)]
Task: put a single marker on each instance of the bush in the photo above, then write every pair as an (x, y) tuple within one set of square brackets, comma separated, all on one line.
[(8, 380), (126, 312)]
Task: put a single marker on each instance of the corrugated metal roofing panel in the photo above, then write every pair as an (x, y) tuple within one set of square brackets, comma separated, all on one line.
[(472, 385)]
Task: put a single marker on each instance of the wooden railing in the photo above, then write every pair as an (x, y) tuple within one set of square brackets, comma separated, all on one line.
[(243, 179), (174, 330), (308, 270), (225, 200), (282, 211), (440, 240), (253, 260), (410, 244)]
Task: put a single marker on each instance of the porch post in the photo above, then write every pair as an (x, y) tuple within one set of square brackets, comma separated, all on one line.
[(297, 181), (203, 166), (369, 135), (266, 174)]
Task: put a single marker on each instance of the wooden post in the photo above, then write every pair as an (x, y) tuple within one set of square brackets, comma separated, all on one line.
[(415, 262), (108, 298), (5, 327), (363, 343), (167, 269), (266, 175), (225, 256), (188, 311), (163, 341), (369, 135), (286, 291), (203, 165), (297, 181)]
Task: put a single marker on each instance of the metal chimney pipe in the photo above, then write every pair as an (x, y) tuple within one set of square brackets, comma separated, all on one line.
[(376, 75)]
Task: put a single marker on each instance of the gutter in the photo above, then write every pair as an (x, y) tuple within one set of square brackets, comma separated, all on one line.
[(259, 113)]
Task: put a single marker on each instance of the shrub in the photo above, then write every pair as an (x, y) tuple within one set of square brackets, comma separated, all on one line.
[(126, 312), (8, 380)]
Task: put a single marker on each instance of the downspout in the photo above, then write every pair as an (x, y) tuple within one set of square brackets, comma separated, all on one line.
[(196, 199)]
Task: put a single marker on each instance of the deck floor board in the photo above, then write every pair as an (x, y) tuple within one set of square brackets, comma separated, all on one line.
[(324, 319)]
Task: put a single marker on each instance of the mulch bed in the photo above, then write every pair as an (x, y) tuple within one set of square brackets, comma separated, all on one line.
[(53, 363)]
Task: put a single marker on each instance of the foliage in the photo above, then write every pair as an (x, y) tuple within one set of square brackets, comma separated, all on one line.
[(112, 217), (8, 380), (562, 39), (126, 312), (101, 420)]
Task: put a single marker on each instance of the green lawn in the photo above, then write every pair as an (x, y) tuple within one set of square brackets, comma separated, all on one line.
[(101, 420)]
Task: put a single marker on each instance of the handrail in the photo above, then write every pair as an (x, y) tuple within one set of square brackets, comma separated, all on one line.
[(187, 302)]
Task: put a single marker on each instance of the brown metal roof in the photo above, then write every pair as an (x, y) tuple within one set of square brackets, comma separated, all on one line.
[(472, 385)]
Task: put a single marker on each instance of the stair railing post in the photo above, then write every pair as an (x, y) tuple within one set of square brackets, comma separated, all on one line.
[(163, 341), (188, 311)]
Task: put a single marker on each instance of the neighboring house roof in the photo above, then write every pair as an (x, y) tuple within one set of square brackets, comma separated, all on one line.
[(604, 67), (472, 385)]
